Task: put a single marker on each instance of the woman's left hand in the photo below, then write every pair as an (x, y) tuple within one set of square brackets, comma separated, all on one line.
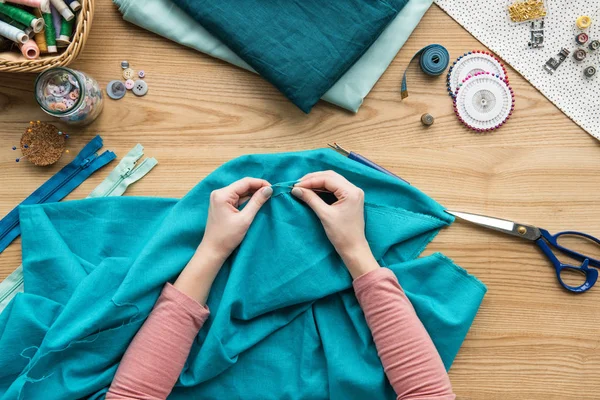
[(226, 225)]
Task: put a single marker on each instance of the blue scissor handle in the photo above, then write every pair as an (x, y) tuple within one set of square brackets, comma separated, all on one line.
[(591, 274)]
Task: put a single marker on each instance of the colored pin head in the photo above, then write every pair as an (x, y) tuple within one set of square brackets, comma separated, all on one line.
[(41, 144)]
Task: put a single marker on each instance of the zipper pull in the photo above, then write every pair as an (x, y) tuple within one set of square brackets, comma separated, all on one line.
[(127, 172), (88, 161)]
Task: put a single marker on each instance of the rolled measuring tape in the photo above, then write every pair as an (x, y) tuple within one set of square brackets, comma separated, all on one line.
[(433, 59)]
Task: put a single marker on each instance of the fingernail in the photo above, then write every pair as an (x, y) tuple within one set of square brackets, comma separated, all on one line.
[(267, 192), (297, 192)]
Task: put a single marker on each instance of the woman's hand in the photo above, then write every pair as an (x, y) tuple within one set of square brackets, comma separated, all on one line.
[(226, 225), (344, 220)]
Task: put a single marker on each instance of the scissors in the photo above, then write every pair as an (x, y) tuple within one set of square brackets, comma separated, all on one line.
[(546, 242)]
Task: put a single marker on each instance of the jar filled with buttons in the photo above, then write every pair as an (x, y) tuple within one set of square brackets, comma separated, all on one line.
[(72, 96)]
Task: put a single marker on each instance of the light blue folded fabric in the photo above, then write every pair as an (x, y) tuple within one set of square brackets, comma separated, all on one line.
[(166, 19), (284, 323)]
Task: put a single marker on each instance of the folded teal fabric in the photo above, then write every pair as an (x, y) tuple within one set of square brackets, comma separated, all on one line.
[(166, 19), (284, 320), (301, 46)]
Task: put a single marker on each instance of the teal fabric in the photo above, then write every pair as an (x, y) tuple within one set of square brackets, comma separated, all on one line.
[(301, 46), (166, 19), (116, 183), (284, 323)]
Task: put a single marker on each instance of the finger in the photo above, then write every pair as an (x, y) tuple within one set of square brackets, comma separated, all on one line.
[(331, 181), (247, 185), (243, 200), (311, 199), (257, 200), (319, 173)]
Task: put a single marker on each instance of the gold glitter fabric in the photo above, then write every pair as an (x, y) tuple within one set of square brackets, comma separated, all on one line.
[(521, 11)]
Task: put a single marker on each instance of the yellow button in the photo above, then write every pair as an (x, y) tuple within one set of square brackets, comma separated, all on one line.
[(128, 73), (583, 22)]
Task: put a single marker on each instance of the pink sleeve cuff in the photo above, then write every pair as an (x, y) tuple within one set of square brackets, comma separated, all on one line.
[(367, 280), (191, 306)]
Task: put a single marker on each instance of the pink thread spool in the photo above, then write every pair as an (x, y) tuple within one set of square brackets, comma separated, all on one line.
[(44, 5), (30, 49)]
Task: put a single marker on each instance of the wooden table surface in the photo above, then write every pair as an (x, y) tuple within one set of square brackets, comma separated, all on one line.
[(530, 340)]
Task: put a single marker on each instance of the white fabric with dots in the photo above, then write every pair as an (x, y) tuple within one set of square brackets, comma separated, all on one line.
[(577, 96)]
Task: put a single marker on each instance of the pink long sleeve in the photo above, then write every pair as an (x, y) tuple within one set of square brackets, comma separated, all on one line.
[(410, 360), (152, 363)]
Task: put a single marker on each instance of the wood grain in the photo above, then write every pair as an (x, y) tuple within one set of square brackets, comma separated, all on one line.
[(531, 340)]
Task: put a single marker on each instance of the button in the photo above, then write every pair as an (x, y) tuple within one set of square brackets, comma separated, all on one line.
[(116, 90), (142, 74), (74, 95), (579, 54), (128, 73), (68, 102), (124, 64), (583, 22), (58, 90), (589, 71), (129, 84), (582, 38), (140, 88), (60, 107)]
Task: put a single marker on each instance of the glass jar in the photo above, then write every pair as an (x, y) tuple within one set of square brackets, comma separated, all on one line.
[(72, 96)]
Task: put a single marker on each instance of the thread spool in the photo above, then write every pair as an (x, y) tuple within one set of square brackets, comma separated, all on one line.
[(22, 16), (40, 37), (50, 33), (41, 4), (63, 9), (66, 30), (14, 23), (10, 32), (56, 20), (73, 4), (30, 50)]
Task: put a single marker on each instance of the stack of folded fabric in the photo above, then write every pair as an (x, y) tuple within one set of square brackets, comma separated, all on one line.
[(308, 49)]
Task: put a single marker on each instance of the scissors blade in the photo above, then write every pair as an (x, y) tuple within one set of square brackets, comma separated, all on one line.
[(528, 232)]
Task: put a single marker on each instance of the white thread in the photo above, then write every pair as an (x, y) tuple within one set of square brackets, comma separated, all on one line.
[(12, 33)]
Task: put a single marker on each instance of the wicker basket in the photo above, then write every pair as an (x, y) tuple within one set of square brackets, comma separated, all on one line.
[(46, 61)]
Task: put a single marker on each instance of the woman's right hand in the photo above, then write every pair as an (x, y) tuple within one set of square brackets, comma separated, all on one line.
[(343, 221)]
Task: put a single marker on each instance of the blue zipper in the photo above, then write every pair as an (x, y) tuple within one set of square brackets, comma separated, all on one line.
[(58, 186)]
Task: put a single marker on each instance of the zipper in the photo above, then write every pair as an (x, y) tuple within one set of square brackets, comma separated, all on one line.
[(52, 191), (122, 177), (14, 287), (126, 171), (136, 172), (48, 191), (124, 174)]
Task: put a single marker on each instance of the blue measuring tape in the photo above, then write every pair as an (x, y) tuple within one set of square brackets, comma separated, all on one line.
[(434, 60)]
